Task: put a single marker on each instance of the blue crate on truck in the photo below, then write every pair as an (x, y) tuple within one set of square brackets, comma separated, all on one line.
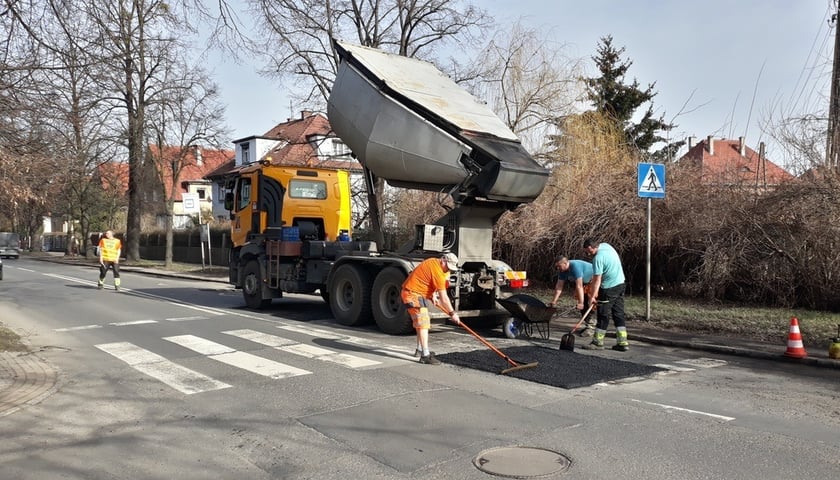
[(290, 234)]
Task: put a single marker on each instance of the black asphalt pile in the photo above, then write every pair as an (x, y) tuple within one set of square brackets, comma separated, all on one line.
[(558, 368)]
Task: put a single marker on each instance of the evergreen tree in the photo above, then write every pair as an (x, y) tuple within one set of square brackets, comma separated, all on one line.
[(612, 96)]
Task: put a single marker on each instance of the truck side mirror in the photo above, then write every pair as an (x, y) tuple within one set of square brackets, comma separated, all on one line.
[(229, 201)]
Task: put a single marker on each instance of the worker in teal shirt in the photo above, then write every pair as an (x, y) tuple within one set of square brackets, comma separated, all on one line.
[(607, 288)]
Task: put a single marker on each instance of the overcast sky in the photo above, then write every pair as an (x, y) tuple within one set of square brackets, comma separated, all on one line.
[(724, 63)]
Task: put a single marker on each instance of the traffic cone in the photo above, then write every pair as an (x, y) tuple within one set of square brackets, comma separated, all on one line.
[(794, 343)]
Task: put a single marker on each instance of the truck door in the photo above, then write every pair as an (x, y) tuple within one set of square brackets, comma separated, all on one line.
[(243, 208)]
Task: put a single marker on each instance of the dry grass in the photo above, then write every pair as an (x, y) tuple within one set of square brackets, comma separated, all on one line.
[(10, 341), (727, 320)]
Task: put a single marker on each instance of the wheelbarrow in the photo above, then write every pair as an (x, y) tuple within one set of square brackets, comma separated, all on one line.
[(529, 315)]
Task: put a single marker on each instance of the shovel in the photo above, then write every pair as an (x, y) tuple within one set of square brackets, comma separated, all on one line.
[(567, 341), (515, 366)]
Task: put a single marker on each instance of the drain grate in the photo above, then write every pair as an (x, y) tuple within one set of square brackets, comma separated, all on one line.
[(521, 462)]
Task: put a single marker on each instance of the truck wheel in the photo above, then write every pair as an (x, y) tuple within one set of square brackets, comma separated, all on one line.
[(252, 287), (388, 310), (349, 295)]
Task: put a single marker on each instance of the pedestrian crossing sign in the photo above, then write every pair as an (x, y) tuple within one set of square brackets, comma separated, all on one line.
[(651, 180)]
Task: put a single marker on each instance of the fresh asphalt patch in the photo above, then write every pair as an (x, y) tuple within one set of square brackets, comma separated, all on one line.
[(557, 368)]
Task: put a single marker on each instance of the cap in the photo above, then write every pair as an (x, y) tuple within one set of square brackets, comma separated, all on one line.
[(451, 261)]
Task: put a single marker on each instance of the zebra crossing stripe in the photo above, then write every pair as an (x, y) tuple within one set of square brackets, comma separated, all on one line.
[(180, 378), (304, 350), (243, 360), (326, 334), (389, 350)]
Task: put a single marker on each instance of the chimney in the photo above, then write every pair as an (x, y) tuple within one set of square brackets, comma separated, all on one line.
[(305, 113), (691, 141), (710, 144), (199, 160), (742, 147)]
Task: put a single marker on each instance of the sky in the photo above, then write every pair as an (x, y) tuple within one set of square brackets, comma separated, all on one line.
[(720, 67)]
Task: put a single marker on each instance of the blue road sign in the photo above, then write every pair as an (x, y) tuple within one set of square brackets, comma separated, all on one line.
[(651, 180)]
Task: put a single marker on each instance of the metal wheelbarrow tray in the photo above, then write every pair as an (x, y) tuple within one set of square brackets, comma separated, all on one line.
[(529, 314)]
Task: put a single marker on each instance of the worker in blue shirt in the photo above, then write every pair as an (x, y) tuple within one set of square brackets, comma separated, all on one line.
[(577, 273)]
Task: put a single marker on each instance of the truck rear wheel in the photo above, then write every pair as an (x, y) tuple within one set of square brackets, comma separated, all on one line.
[(388, 309), (252, 286), (349, 295)]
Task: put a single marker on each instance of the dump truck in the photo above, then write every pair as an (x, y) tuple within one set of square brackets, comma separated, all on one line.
[(409, 124)]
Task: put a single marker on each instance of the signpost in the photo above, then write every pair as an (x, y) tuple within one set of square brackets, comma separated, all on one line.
[(651, 184)]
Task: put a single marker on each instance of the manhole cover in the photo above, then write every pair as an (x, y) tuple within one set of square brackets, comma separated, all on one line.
[(521, 462)]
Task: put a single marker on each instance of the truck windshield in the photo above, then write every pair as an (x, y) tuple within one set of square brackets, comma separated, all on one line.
[(308, 189)]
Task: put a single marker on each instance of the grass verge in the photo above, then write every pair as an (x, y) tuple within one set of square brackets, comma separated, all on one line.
[(729, 320), (10, 341)]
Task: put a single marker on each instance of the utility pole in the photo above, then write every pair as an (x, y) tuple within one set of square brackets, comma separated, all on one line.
[(832, 151)]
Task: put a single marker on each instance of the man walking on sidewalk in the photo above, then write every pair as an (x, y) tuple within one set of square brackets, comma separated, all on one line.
[(109, 258), (608, 293)]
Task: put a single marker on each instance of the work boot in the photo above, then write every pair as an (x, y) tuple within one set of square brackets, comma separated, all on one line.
[(116, 288), (621, 343), (597, 340), (430, 360), (587, 332), (100, 286)]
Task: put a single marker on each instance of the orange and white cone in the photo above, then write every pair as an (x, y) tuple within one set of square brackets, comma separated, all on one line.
[(795, 349)]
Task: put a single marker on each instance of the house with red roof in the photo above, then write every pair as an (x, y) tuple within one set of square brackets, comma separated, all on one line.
[(307, 141), (186, 182), (722, 162)]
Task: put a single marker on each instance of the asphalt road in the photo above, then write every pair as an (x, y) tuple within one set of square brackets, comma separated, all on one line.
[(173, 378)]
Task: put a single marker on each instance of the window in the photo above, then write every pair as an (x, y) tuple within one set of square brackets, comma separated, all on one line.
[(316, 189), (246, 154), (243, 193), (202, 194)]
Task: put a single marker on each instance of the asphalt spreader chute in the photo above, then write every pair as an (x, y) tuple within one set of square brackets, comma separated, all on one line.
[(515, 366)]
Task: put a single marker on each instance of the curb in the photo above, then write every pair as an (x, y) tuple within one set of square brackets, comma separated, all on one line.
[(738, 351)]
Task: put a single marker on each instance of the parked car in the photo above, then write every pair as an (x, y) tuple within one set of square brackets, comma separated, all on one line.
[(9, 245)]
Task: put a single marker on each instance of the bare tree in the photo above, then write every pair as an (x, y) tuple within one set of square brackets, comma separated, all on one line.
[(188, 116), (529, 83), (298, 39), (298, 34)]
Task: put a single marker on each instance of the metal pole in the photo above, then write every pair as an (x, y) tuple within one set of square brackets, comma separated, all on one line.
[(647, 264), (833, 143)]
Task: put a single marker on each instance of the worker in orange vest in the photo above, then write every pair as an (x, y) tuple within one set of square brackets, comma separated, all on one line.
[(109, 258)]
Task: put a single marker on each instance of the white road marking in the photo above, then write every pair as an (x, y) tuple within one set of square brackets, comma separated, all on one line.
[(703, 362), (180, 378), (674, 368), (389, 350), (80, 327), (308, 351), (686, 410), (26, 270), (135, 322), (185, 319), (245, 361)]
